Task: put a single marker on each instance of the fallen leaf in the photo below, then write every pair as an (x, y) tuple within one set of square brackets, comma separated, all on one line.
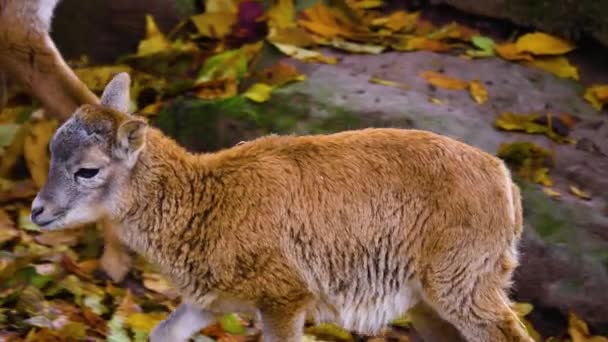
[(478, 92), (68, 237), (435, 100), (551, 192), (420, 43), (304, 54), (282, 14), (529, 161), (231, 64), (454, 31), (155, 41), (381, 81), (295, 36), (549, 125), (329, 331), (97, 77), (483, 43), (7, 228), (399, 21), (558, 66), (258, 92), (145, 321), (355, 47), (280, 74), (231, 323), (597, 95), (539, 43), (216, 89), (579, 332), (442, 81), (8, 133), (36, 150), (510, 52), (215, 6), (215, 24), (579, 193)]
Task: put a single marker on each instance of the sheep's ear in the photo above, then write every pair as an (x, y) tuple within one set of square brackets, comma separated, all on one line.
[(116, 93), (130, 140)]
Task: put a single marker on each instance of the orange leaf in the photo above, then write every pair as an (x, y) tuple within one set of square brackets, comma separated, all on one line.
[(510, 52), (478, 92), (443, 81)]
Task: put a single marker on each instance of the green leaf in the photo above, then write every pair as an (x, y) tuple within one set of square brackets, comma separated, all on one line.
[(232, 324), (483, 43), (117, 332), (7, 133), (93, 302)]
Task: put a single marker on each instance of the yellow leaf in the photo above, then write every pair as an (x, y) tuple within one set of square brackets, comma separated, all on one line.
[(420, 43), (215, 6), (259, 92), (388, 83), (579, 332), (7, 228), (214, 25), (155, 40), (525, 122), (597, 95), (580, 193), (295, 36), (330, 23), (145, 321), (281, 14), (442, 81), (454, 31), (398, 21), (356, 47), (523, 309), (478, 92), (541, 176), (304, 54), (539, 43), (216, 89), (435, 100), (510, 52), (368, 4), (280, 74), (35, 149), (528, 160), (127, 306), (559, 66), (551, 192), (97, 77), (329, 331)]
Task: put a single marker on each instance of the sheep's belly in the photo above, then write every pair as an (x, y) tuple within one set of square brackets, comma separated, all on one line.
[(365, 313)]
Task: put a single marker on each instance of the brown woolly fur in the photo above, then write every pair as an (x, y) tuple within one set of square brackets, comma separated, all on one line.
[(355, 227)]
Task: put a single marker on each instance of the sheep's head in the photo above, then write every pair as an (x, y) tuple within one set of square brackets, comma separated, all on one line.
[(92, 154)]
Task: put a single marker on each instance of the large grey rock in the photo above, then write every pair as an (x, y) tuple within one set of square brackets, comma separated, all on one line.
[(564, 252), (564, 17)]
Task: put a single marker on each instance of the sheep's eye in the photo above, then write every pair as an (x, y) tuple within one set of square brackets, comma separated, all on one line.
[(86, 173)]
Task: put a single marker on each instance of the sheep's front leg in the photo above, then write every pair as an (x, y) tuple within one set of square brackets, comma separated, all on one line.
[(184, 322)]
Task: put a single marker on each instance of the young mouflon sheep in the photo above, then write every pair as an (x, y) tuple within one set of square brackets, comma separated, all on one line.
[(355, 228)]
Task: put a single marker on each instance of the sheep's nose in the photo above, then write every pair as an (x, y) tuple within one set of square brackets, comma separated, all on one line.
[(36, 211)]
